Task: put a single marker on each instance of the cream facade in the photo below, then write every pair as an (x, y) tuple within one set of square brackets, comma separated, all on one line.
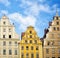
[(30, 45), (8, 39), (51, 47)]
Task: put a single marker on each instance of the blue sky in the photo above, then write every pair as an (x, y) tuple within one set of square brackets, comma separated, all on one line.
[(23, 13)]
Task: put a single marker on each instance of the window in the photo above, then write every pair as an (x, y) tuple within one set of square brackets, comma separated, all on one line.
[(47, 51), (58, 42), (4, 30), (57, 18), (30, 41), (16, 43), (53, 51), (4, 43), (27, 47), (53, 57), (4, 52), (22, 48), (9, 42), (10, 52), (37, 55), (3, 36), (32, 55), (26, 41), (59, 51), (9, 30), (58, 28), (35, 41), (30, 32), (54, 28), (4, 22), (9, 36), (47, 57), (48, 43), (32, 48), (30, 36), (57, 23), (15, 52), (27, 55), (37, 48), (22, 55)]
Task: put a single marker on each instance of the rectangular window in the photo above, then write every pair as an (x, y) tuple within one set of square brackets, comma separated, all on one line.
[(35, 41), (32, 48), (30, 41), (10, 52), (22, 55), (4, 43), (3, 36), (37, 55), (4, 30), (10, 43), (59, 51), (15, 52), (4, 52), (32, 55), (27, 47), (9, 36), (54, 28), (15, 43), (37, 48), (53, 51), (27, 55), (47, 51), (22, 47), (30, 36)]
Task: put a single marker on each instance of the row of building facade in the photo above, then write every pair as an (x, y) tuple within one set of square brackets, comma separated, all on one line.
[(30, 45)]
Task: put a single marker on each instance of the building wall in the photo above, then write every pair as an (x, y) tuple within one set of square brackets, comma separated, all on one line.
[(52, 40), (29, 40), (8, 39)]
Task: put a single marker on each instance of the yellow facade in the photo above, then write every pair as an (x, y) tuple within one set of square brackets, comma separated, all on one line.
[(30, 45), (52, 40)]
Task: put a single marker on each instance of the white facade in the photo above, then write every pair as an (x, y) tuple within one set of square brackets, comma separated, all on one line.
[(8, 39)]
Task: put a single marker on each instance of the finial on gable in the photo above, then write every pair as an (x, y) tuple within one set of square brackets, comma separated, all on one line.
[(56, 12)]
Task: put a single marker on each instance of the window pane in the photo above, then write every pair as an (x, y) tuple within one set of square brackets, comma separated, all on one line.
[(37, 55), (27, 47), (3, 36), (10, 52), (22, 48), (15, 52), (9, 36), (47, 51), (4, 43), (32, 55), (4, 52)]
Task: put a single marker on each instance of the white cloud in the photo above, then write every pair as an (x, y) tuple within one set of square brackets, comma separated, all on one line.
[(23, 21), (33, 8), (5, 2), (4, 12)]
